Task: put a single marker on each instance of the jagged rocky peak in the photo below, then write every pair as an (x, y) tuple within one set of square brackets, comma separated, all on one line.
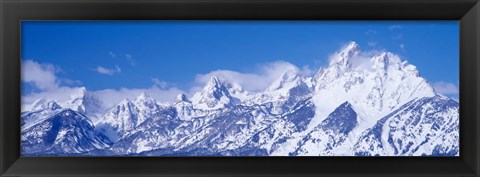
[(43, 104), (144, 98), (63, 133), (386, 60), (215, 88), (339, 64), (213, 96), (121, 118), (182, 98), (184, 107), (342, 58), (84, 102), (145, 102), (124, 105), (214, 84)]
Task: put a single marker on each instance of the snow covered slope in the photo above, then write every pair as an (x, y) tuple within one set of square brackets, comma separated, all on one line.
[(127, 115), (361, 103), (426, 126), (61, 133)]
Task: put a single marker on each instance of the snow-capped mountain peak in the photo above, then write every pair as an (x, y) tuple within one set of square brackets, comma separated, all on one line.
[(145, 101), (385, 61), (76, 101), (84, 102), (342, 58), (184, 107), (143, 96), (64, 132), (339, 64), (40, 109), (182, 98), (121, 118), (214, 95), (214, 84), (285, 92), (355, 105), (44, 104), (127, 115), (391, 64)]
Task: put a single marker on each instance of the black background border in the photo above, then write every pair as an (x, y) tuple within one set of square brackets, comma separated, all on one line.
[(13, 11)]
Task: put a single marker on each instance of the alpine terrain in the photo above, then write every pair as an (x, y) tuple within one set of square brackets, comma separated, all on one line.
[(357, 105)]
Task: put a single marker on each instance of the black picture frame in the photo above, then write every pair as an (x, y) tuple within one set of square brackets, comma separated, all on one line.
[(14, 11)]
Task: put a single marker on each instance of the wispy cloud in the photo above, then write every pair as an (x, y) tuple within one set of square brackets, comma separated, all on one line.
[(402, 46), (258, 80), (42, 76), (394, 27), (370, 32), (446, 88), (161, 84), (70, 82), (130, 59), (113, 55), (107, 71)]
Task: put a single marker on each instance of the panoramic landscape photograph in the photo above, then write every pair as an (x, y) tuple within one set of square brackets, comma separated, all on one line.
[(240, 88)]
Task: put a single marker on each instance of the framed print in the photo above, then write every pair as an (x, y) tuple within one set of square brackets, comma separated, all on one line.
[(153, 88)]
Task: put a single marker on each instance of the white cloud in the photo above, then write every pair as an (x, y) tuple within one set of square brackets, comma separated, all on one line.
[(394, 27), (130, 59), (446, 88), (107, 71), (113, 55), (257, 80), (42, 76), (159, 83), (51, 87), (402, 46)]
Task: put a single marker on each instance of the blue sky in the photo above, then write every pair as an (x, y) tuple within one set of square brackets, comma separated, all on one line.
[(114, 55)]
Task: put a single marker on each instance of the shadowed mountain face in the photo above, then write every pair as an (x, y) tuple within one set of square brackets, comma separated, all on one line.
[(65, 132), (379, 107), (341, 121)]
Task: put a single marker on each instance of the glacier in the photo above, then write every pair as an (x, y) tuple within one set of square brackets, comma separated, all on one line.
[(360, 104)]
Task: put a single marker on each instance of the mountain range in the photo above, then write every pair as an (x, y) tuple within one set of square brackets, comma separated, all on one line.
[(358, 105)]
